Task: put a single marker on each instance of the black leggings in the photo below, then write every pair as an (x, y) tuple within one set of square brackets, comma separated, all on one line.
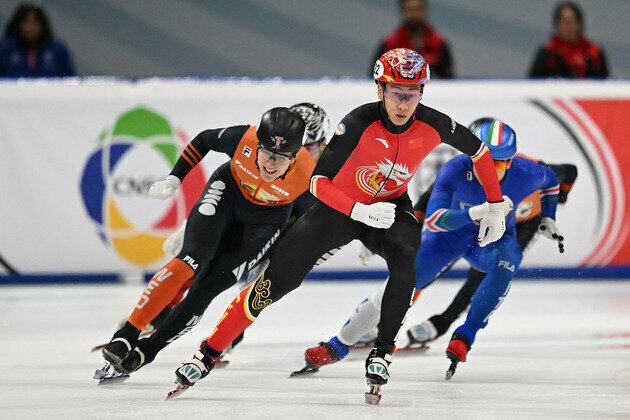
[(323, 229), (225, 235)]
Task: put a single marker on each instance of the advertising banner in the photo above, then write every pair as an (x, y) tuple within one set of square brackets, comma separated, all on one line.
[(77, 159)]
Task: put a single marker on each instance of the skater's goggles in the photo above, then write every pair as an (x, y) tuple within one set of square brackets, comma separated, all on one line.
[(277, 157), (502, 165), (403, 95)]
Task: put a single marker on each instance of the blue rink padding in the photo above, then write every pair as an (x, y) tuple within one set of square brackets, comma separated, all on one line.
[(525, 273), (17, 279), (532, 273)]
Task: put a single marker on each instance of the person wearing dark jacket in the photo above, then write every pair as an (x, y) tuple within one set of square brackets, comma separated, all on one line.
[(29, 49), (415, 33), (568, 53)]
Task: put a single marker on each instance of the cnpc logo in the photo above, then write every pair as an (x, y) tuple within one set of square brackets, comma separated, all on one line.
[(139, 148)]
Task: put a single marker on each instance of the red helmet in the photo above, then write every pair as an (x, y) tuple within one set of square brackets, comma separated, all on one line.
[(401, 65)]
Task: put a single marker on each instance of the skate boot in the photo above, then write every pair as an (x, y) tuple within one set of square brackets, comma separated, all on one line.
[(324, 354), (116, 351), (112, 371), (193, 370), (135, 360), (427, 331), (377, 373), (457, 350)]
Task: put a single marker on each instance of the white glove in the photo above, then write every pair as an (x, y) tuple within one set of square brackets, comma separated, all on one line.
[(548, 228), (479, 211), (173, 244), (378, 215), (508, 205), (493, 222), (165, 189), (365, 255)]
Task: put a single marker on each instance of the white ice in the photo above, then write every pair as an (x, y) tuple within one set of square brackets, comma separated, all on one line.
[(554, 349)]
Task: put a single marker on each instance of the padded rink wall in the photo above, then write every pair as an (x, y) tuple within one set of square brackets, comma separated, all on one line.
[(78, 156)]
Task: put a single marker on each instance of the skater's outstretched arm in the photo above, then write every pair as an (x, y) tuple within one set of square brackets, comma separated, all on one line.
[(223, 140)]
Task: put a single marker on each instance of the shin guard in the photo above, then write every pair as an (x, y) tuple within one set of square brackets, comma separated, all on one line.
[(161, 289)]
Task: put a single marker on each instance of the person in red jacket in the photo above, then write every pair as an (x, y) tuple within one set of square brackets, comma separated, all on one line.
[(415, 33), (361, 183), (569, 53)]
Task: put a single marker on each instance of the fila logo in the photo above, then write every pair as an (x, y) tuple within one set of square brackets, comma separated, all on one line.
[(247, 151), (191, 262), (469, 176), (157, 279), (506, 265), (384, 142)]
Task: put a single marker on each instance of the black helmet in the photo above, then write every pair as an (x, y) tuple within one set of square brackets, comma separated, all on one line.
[(281, 130), (317, 122), (473, 125)]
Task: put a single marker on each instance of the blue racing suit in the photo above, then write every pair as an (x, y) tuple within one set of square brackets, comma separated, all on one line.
[(451, 234)]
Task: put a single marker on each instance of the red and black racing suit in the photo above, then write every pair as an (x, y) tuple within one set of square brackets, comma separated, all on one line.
[(368, 160)]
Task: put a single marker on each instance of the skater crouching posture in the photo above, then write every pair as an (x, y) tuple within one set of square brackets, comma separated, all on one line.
[(528, 224), (170, 327), (244, 206), (361, 182), (455, 205)]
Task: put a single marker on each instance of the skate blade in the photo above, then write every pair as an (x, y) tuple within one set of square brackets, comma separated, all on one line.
[(305, 371), (102, 346), (119, 378), (176, 392), (221, 363), (413, 348), (451, 370), (373, 397), (103, 372)]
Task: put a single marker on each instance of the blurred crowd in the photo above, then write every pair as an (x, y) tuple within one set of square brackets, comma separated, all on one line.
[(30, 49), (567, 53)]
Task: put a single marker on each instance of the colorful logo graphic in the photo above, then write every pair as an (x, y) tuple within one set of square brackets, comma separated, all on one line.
[(371, 178), (141, 147)]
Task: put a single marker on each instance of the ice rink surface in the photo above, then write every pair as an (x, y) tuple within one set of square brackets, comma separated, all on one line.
[(555, 349)]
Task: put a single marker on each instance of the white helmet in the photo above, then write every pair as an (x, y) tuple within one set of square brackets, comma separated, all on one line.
[(317, 122)]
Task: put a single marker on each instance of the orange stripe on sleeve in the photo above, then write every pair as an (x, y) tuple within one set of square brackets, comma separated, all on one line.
[(187, 160), (191, 155), (197, 154)]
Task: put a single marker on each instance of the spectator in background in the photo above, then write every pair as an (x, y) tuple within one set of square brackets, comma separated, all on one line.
[(415, 33), (568, 53), (28, 48)]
